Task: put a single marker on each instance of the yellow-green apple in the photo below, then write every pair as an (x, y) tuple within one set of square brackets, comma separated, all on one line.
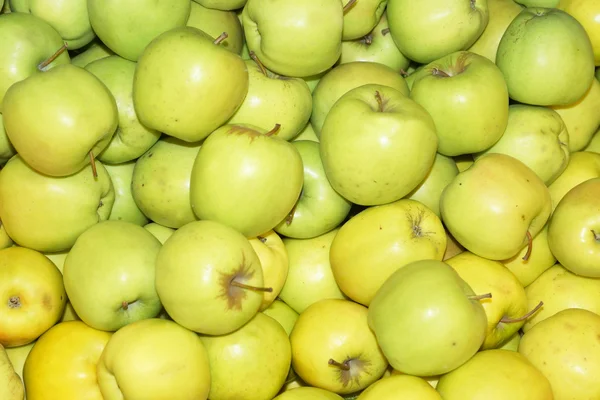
[(215, 22), (395, 131), (581, 118), (513, 343), (162, 233), (63, 362), (574, 230), (501, 14), (96, 50), (309, 276), (593, 145), (124, 208), (7, 150), (320, 208), (206, 81), (224, 5), (283, 314), (494, 375), (346, 77), (49, 213), (75, 103), (274, 262), (361, 17), (33, 295), (415, 27), (154, 359), (372, 245), (246, 162), (430, 190), (506, 310), (131, 139), (250, 363), (334, 349), (582, 166), (495, 207), (405, 387), (533, 38), (209, 278), (540, 258), (441, 320), (69, 18), (28, 42), (536, 136), (161, 182), (307, 37), (566, 349), (11, 386), (561, 289), (307, 133), (58, 259), (18, 356), (308, 393), (274, 99), (464, 161), (588, 15), (376, 46), (128, 28), (466, 96)]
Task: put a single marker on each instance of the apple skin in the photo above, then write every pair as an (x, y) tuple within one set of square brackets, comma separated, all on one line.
[(583, 165), (214, 22), (223, 5), (407, 386), (594, 144), (282, 313), (18, 356), (308, 133), (124, 208), (308, 393), (588, 15), (361, 17), (526, 58)]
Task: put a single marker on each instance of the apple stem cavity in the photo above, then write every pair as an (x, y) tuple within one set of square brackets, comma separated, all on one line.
[(125, 305), (480, 296), (290, 218), (596, 235), (343, 366), (253, 288), (274, 130), (255, 58), (14, 302), (262, 239), (93, 164), (380, 101), (439, 72), (42, 66), (221, 37), (506, 320), (529, 246), (349, 5)]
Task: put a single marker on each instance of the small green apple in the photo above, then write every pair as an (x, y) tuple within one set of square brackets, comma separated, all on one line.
[(124, 208), (214, 22), (583, 165), (360, 17), (282, 313)]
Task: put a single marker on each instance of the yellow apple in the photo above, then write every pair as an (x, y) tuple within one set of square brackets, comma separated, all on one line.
[(274, 261), (11, 386), (583, 165), (283, 314), (405, 387), (588, 14)]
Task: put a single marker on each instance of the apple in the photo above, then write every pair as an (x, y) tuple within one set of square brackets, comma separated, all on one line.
[(164, 347), (308, 393), (360, 17), (224, 5), (214, 22), (162, 233), (313, 80), (594, 144), (466, 96), (124, 208), (308, 133), (428, 30), (371, 246), (307, 37), (274, 262), (583, 165), (282, 313), (207, 83), (406, 386), (546, 58), (587, 13), (7, 150), (96, 50)]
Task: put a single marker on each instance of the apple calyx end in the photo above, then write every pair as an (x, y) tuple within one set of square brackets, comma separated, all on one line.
[(480, 296), (42, 66), (529, 246), (349, 6), (506, 320), (14, 302), (220, 38)]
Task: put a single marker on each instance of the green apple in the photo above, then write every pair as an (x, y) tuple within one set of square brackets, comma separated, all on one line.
[(583, 165), (48, 214), (593, 145), (282, 313), (405, 387), (346, 77), (538, 137), (131, 139), (128, 28), (109, 275), (513, 343), (581, 118), (442, 322), (574, 230), (124, 208), (307, 37), (7, 150), (372, 245), (571, 365), (546, 58), (496, 207), (209, 278), (224, 5), (214, 22), (78, 106), (162, 233), (360, 17), (274, 262), (205, 81), (308, 393), (428, 30), (308, 133), (250, 363), (430, 190), (466, 96), (27, 42), (334, 349), (495, 375), (320, 208), (11, 386), (274, 99), (244, 162), (376, 46), (161, 182), (96, 50), (154, 359), (309, 277)]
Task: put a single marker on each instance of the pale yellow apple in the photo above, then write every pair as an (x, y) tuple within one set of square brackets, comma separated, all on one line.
[(588, 14), (11, 386), (405, 387), (161, 232), (18, 356), (274, 261), (583, 165), (283, 314)]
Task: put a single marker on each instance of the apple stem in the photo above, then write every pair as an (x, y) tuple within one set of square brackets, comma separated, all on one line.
[(254, 58), (262, 239), (367, 39), (53, 57), (349, 5), (14, 302), (93, 164), (274, 130), (529, 246), (385, 31), (221, 37), (125, 305), (379, 100), (290, 218), (403, 73), (480, 296), (596, 235), (248, 287), (439, 72), (506, 320), (342, 366)]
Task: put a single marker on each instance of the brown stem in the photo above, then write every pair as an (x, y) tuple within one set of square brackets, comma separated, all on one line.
[(125, 305), (221, 37), (349, 5), (385, 31), (529, 246), (439, 72), (367, 39), (480, 296), (254, 58), (506, 320), (262, 239), (290, 218), (253, 288), (14, 302), (379, 100), (342, 366), (53, 57), (596, 235), (93, 164), (274, 130), (403, 73)]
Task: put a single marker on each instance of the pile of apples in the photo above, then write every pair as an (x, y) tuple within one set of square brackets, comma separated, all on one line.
[(299, 200)]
